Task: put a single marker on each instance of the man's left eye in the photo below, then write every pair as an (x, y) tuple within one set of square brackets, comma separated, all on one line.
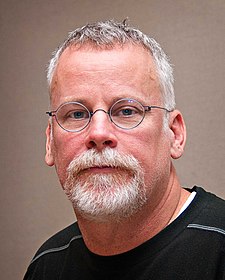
[(127, 112)]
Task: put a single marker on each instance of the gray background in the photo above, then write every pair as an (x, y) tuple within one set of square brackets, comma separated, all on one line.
[(33, 205)]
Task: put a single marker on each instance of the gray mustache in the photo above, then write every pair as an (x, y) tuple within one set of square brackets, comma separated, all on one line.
[(106, 158)]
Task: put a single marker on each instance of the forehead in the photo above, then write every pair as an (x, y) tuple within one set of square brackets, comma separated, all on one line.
[(79, 69)]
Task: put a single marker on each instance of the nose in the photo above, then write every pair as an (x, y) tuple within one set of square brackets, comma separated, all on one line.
[(100, 132)]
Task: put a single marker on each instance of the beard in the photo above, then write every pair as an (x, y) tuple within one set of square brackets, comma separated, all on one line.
[(105, 197)]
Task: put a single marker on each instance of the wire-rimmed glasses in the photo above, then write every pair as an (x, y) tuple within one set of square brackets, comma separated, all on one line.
[(125, 113)]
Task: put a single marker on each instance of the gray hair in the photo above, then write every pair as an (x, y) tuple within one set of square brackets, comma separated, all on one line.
[(107, 34)]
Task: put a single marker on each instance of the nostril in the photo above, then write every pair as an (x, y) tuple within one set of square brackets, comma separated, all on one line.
[(108, 142), (92, 144), (100, 144)]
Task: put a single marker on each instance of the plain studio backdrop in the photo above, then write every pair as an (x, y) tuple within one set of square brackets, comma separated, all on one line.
[(33, 206)]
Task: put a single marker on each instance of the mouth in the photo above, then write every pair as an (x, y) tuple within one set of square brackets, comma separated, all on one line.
[(100, 169)]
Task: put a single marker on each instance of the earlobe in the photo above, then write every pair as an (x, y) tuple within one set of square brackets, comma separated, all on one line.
[(178, 129), (49, 159)]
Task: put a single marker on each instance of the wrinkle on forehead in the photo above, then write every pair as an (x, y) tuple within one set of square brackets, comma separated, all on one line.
[(94, 69)]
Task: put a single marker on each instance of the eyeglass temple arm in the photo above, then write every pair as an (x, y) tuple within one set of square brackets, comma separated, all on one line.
[(148, 108), (50, 113)]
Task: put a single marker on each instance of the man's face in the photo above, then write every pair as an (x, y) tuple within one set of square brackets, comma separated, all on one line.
[(98, 78)]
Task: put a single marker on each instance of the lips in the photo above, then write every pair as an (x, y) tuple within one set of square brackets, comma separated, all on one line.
[(109, 161), (100, 169)]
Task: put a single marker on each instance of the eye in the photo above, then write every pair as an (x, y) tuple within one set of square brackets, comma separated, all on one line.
[(77, 115), (125, 111)]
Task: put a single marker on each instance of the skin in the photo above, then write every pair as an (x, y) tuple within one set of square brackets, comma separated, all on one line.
[(97, 79)]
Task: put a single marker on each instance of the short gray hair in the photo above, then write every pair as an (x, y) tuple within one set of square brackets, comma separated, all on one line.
[(109, 33)]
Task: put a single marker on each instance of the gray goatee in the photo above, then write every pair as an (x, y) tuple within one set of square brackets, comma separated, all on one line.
[(105, 196)]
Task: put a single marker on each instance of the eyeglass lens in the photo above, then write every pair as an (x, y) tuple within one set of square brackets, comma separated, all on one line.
[(125, 113)]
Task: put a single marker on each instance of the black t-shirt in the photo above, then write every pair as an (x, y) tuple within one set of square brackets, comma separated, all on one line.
[(191, 247)]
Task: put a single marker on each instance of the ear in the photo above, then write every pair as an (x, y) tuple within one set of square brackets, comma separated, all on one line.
[(178, 129), (49, 159)]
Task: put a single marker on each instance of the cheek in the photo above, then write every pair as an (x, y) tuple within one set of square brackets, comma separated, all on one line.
[(151, 149), (66, 147)]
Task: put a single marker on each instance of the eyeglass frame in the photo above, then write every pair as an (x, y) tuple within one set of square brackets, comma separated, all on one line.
[(146, 108)]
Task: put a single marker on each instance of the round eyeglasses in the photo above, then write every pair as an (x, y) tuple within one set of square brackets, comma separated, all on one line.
[(124, 113)]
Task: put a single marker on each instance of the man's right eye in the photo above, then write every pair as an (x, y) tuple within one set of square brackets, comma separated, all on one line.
[(77, 115)]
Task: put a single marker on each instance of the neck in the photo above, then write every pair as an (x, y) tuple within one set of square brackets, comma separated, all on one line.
[(113, 237)]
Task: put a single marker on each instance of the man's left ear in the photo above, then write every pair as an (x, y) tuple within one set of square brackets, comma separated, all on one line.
[(178, 129)]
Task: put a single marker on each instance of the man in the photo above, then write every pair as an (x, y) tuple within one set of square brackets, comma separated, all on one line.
[(112, 132)]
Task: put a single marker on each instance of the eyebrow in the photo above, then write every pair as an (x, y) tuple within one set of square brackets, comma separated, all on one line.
[(86, 101), (72, 99)]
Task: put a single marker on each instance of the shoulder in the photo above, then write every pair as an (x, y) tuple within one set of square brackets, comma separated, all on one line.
[(59, 241), (47, 262), (211, 211), (211, 201)]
